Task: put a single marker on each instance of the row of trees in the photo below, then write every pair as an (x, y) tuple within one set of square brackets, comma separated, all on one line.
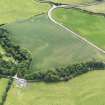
[(7, 68), (22, 57), (66, 73), (100, 0)]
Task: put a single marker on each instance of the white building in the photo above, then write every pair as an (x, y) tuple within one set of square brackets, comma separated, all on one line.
[(20, 82)]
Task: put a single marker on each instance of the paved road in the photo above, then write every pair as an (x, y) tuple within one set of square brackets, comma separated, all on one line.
[(75, 34)]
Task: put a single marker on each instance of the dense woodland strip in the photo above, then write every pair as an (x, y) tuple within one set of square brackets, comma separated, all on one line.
[(22, 57), (65, 73)]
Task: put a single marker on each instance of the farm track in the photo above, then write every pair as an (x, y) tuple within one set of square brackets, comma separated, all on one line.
[(75, 34)]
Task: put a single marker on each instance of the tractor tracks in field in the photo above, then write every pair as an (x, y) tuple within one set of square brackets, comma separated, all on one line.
[(75, 34)]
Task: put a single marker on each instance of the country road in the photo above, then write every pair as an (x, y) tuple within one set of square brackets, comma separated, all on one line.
[(75, 34)]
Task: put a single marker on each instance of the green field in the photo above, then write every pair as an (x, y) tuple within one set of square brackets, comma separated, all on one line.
[(73, 1), (88, 89), (89, 26), (51, 45), (20, 9), (3, 85)]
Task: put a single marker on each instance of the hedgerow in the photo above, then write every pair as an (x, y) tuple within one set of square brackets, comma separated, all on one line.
[(65, 73), (21, 56), (6, 91)]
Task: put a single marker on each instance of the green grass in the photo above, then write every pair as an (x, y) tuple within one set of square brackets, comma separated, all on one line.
[(3, 85), (87, 89), (89, 26), (73, 1), (20, 9), (51, 45)]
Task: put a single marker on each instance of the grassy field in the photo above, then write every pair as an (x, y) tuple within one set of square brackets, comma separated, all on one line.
[(73, 1), (89, 26), (51, 45), (20, 9), (87, 89), (3, 84)]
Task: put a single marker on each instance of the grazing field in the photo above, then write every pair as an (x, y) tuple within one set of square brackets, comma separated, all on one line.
[(89, 26), (20, 9), (3, 85), (73, 1), (51, 45), (87, 89)]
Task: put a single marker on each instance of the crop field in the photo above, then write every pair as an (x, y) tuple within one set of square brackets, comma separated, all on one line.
[(89, 26), (51, 45), (3, 84), (20, 9), (73, 1), (88, 89), (100, 8)]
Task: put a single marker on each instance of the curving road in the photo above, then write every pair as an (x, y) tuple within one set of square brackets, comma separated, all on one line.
[(75, 34)]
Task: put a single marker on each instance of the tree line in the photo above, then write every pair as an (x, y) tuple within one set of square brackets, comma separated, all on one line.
[(65, 73), (21, 56)]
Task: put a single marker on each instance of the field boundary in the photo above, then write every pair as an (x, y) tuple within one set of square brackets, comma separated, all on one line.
[(4, 96), (75, 34), (89, 12)]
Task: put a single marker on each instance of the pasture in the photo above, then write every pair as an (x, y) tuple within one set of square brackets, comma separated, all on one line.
[(89, 26), (51, 45), (3, 85), (87, 89), (20, 9)]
